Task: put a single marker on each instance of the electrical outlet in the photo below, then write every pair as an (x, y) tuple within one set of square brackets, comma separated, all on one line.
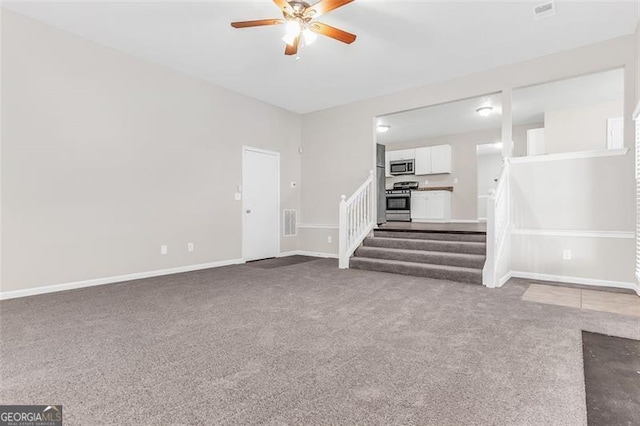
[(566, 254), (237, 196), (190, 247), (329, 239), (426, 181), (455, 180), (164, 249)]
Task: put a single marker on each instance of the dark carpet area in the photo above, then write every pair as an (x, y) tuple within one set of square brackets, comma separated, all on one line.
[(305, 344), (278, 262), (612, 379)]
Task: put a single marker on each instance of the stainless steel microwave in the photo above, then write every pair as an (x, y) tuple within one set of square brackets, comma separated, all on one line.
[(401, 167)]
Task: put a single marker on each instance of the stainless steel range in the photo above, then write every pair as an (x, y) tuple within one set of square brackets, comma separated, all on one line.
[(399, 201)]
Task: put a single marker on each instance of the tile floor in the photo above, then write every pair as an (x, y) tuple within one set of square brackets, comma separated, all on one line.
[(617, 303)]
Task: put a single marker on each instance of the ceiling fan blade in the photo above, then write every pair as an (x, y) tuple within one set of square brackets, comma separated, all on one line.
[(332, 32), (258, 23), (292, 50), (285, 6), (324, 6)]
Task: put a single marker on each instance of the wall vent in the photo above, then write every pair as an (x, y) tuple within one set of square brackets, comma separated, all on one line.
[(290, 223), (544, 10)]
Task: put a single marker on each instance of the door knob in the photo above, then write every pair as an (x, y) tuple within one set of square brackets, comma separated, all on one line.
[(248, 211)]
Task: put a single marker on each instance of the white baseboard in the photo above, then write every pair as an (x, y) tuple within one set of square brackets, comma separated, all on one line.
[(505, 278), (577, 280), (318, 226), (445, 221), (116, 279), (308, 253)]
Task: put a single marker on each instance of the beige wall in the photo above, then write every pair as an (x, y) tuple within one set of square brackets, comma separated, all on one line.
[(344, 135), (588, 194), (581, 128), (106, 157), (464, 167), (578, 194), (592, 258)]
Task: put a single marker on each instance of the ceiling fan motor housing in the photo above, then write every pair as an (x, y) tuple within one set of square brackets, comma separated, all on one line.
[(299, 11)]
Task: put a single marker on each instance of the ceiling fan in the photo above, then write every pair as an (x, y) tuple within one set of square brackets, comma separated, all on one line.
[(301, 28)]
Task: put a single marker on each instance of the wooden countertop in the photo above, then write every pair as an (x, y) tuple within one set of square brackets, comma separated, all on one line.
[(435, 188)]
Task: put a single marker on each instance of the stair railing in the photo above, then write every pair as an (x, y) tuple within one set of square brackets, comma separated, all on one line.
[(357, 219), (498, 260)]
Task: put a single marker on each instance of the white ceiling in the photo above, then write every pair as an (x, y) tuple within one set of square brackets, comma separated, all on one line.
[(401, 44), (529, 105), (439, 120)]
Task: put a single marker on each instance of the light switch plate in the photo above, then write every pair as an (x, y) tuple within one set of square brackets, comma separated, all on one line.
[(237, 196)]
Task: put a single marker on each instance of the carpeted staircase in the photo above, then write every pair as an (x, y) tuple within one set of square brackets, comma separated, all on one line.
[(454, 256)]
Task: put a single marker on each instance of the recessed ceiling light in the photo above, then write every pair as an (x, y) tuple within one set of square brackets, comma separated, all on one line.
[(484, 111), (383, 128)]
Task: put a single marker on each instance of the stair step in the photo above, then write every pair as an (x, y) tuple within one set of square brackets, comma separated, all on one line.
[(480, 237), (441, 272), (468, 247), (419, 256)]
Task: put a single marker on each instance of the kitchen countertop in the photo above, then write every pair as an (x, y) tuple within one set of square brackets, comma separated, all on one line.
[(435, 188)]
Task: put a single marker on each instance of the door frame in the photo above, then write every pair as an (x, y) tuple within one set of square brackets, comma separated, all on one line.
[(242, 212)]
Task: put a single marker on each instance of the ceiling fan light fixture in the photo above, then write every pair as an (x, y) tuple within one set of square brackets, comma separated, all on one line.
[(484, 111), (383, 128), (301, 29), (290, 39), (309, 36), (293, 28)]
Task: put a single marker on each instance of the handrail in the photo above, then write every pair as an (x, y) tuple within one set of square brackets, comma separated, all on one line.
[(357, 219), (498, 231)]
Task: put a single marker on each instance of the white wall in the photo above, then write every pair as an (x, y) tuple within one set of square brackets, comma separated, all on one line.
[(591, 201), (106, 157), (489, 168), (344, 136), (464, 167), (581, 128)]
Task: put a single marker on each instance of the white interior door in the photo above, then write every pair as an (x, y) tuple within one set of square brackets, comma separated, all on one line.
[(261, 204)]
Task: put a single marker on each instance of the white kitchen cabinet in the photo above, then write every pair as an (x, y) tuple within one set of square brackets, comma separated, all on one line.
[(402, 154), (392, 155), (433, 160), (406, 154), (441, 159), (418, 205), (423, 161), (429, 206)]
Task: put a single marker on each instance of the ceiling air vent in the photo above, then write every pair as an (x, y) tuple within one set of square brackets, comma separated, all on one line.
[(544, 10), (290, 223)]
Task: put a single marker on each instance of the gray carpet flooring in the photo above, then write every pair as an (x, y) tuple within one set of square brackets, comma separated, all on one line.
[(278, 262), (300, 344)]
